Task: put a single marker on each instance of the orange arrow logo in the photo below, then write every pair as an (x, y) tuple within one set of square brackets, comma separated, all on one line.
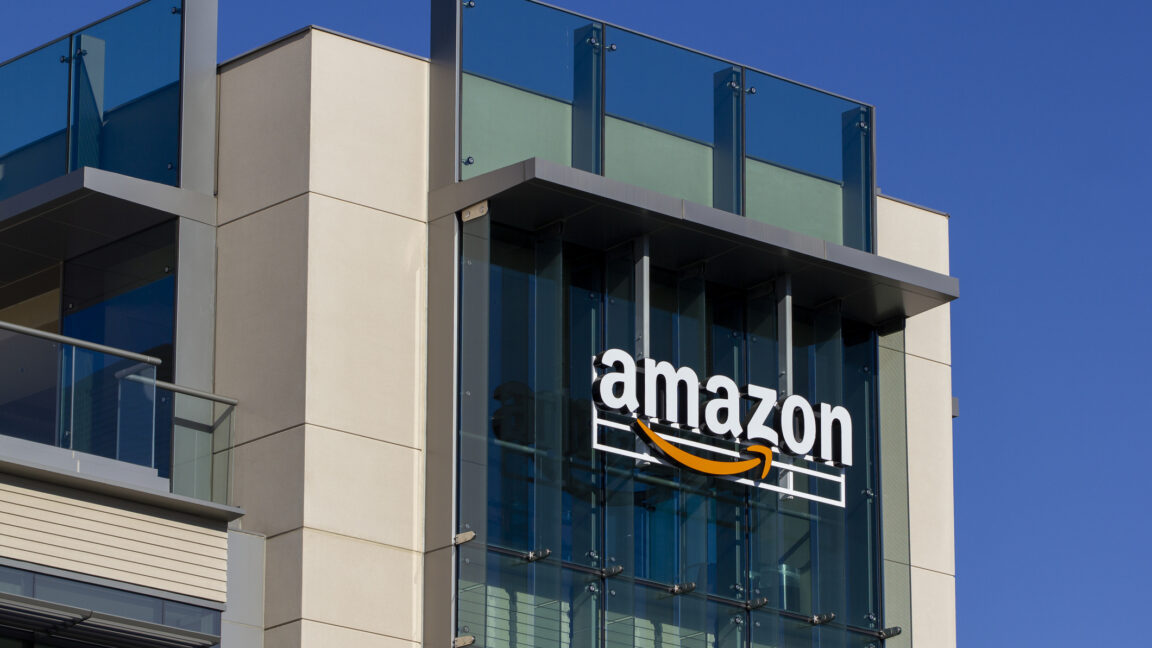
[(708, 466)]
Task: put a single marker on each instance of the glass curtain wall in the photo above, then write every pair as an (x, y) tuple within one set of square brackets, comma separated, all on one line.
[(579, 547)]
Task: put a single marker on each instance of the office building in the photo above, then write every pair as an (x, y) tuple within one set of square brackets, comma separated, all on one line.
[(566, 336)]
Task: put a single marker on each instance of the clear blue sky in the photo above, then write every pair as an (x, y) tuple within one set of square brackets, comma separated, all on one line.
[(1030, 123)]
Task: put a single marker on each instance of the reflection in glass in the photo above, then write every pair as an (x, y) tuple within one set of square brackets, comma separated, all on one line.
[(107, 97), (534, 311), (33, 118), (672, 120), (531, 87), (808, 161)]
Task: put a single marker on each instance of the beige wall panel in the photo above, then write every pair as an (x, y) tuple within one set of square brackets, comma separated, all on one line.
[(260, 324), (268, 482), (363, 488), (933, 609), (264, 129), (284, 579), (284, 636), (912, 235), (366, 308), (369, 127), (361, 585), (323, 635), (929, 334), (101, 536), (930, 508)]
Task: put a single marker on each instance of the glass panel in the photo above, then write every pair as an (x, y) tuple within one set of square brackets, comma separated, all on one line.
[(125, 112), (29, 387), (770, 630), (101, 599), (108, 406), (201, 433), (644, 616), (15, 581), (519, 604), (123, 295), (34, 118), (190, 617), (672, 120), (807, 161), (530, 88)]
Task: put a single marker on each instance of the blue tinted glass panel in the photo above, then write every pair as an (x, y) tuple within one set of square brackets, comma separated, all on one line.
[(34, 118), (808, 161), (125, 112), (672, 119), (530, 88)]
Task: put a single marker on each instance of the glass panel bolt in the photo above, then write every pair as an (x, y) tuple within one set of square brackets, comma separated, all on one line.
[(751, 90), (468, 161)]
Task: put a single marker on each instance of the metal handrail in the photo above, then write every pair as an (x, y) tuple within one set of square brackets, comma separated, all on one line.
[(83, 344), (188, 391)]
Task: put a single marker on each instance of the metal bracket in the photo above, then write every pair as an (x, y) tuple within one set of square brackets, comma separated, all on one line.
[(533, 556), (681, 588), (889, 632), (461, 538), (821, 619), (609, 572), (475, 211), (756, 604), (463, 640)]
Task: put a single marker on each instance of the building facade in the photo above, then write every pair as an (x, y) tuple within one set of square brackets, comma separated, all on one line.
[(613, 344)]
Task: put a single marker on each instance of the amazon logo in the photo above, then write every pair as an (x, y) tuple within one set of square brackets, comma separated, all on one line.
[(658, 394)]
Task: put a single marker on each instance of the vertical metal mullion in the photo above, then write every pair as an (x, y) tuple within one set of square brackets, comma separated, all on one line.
[(68, 110), (741, 144), (784, 333), (603, 96), (643, 287)]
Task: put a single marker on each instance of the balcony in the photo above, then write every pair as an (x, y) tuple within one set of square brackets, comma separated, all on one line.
[(102, 404), (540, 82), (107, 96)]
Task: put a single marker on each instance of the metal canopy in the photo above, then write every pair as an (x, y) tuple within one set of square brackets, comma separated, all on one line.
[(600, 213), (82, 211), (71, 626)]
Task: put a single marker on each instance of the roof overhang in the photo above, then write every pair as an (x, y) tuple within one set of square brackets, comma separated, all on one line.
[(600, 213), (83, 210)]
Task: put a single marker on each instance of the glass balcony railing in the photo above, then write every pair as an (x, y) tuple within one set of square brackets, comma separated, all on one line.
[(107, 96), (106, 402), (541, 82)]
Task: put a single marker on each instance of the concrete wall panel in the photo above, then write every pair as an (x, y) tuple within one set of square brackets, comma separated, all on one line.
[(933, 609), (929, 334), (362, 585), (365, 359), (269, 482), (364, 488), (369, 126), (930, 507), (911, 234), (261, 318), (264, 128)]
